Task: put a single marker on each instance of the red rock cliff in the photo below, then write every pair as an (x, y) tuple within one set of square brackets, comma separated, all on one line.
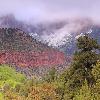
[(25, 59)]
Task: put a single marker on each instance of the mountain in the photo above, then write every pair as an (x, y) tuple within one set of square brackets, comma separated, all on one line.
[(58, 34), (26, 54)]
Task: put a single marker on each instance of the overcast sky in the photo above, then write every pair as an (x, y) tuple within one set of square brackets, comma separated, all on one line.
[(42, 10)]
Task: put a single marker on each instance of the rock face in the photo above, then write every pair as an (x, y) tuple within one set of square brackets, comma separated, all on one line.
[(32, 59), (19, 49)]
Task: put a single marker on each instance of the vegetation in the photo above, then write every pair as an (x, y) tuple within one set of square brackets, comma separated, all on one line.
[(81, 81), (9, 78)]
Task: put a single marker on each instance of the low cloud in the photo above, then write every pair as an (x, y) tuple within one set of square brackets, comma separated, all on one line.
[(48, 10), (65, 34)]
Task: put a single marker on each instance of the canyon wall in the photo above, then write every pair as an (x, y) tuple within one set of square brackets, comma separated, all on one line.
[(32, 59)]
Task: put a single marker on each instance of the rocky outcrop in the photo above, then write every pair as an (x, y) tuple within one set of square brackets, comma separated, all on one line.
[(32, 59)]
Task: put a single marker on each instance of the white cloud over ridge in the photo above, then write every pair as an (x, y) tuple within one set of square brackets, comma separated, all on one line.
[(53, 10), (65, 34)]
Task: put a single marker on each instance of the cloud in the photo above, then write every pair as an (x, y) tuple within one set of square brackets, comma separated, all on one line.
[(54, 10), (65, 34), (48, 10)]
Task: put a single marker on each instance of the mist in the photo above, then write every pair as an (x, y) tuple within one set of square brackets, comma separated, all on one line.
[(50, 10)]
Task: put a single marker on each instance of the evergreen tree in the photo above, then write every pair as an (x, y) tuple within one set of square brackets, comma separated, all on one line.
[(96, 87), (81, 68), (85, 57), (84, 93)]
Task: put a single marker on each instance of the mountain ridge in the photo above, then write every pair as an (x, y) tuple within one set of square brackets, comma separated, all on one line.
[(61, 35)]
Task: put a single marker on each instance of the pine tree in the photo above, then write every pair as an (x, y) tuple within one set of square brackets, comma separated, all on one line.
[(81, 68), (85, 57), (96, 87)]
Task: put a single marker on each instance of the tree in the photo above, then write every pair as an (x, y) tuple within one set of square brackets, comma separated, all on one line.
[(84, 93), (81, 68), (87, 93), (86, 56), (96, 87), (96, 71)]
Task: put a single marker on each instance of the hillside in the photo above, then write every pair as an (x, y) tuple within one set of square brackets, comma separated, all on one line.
[(23, 52)]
